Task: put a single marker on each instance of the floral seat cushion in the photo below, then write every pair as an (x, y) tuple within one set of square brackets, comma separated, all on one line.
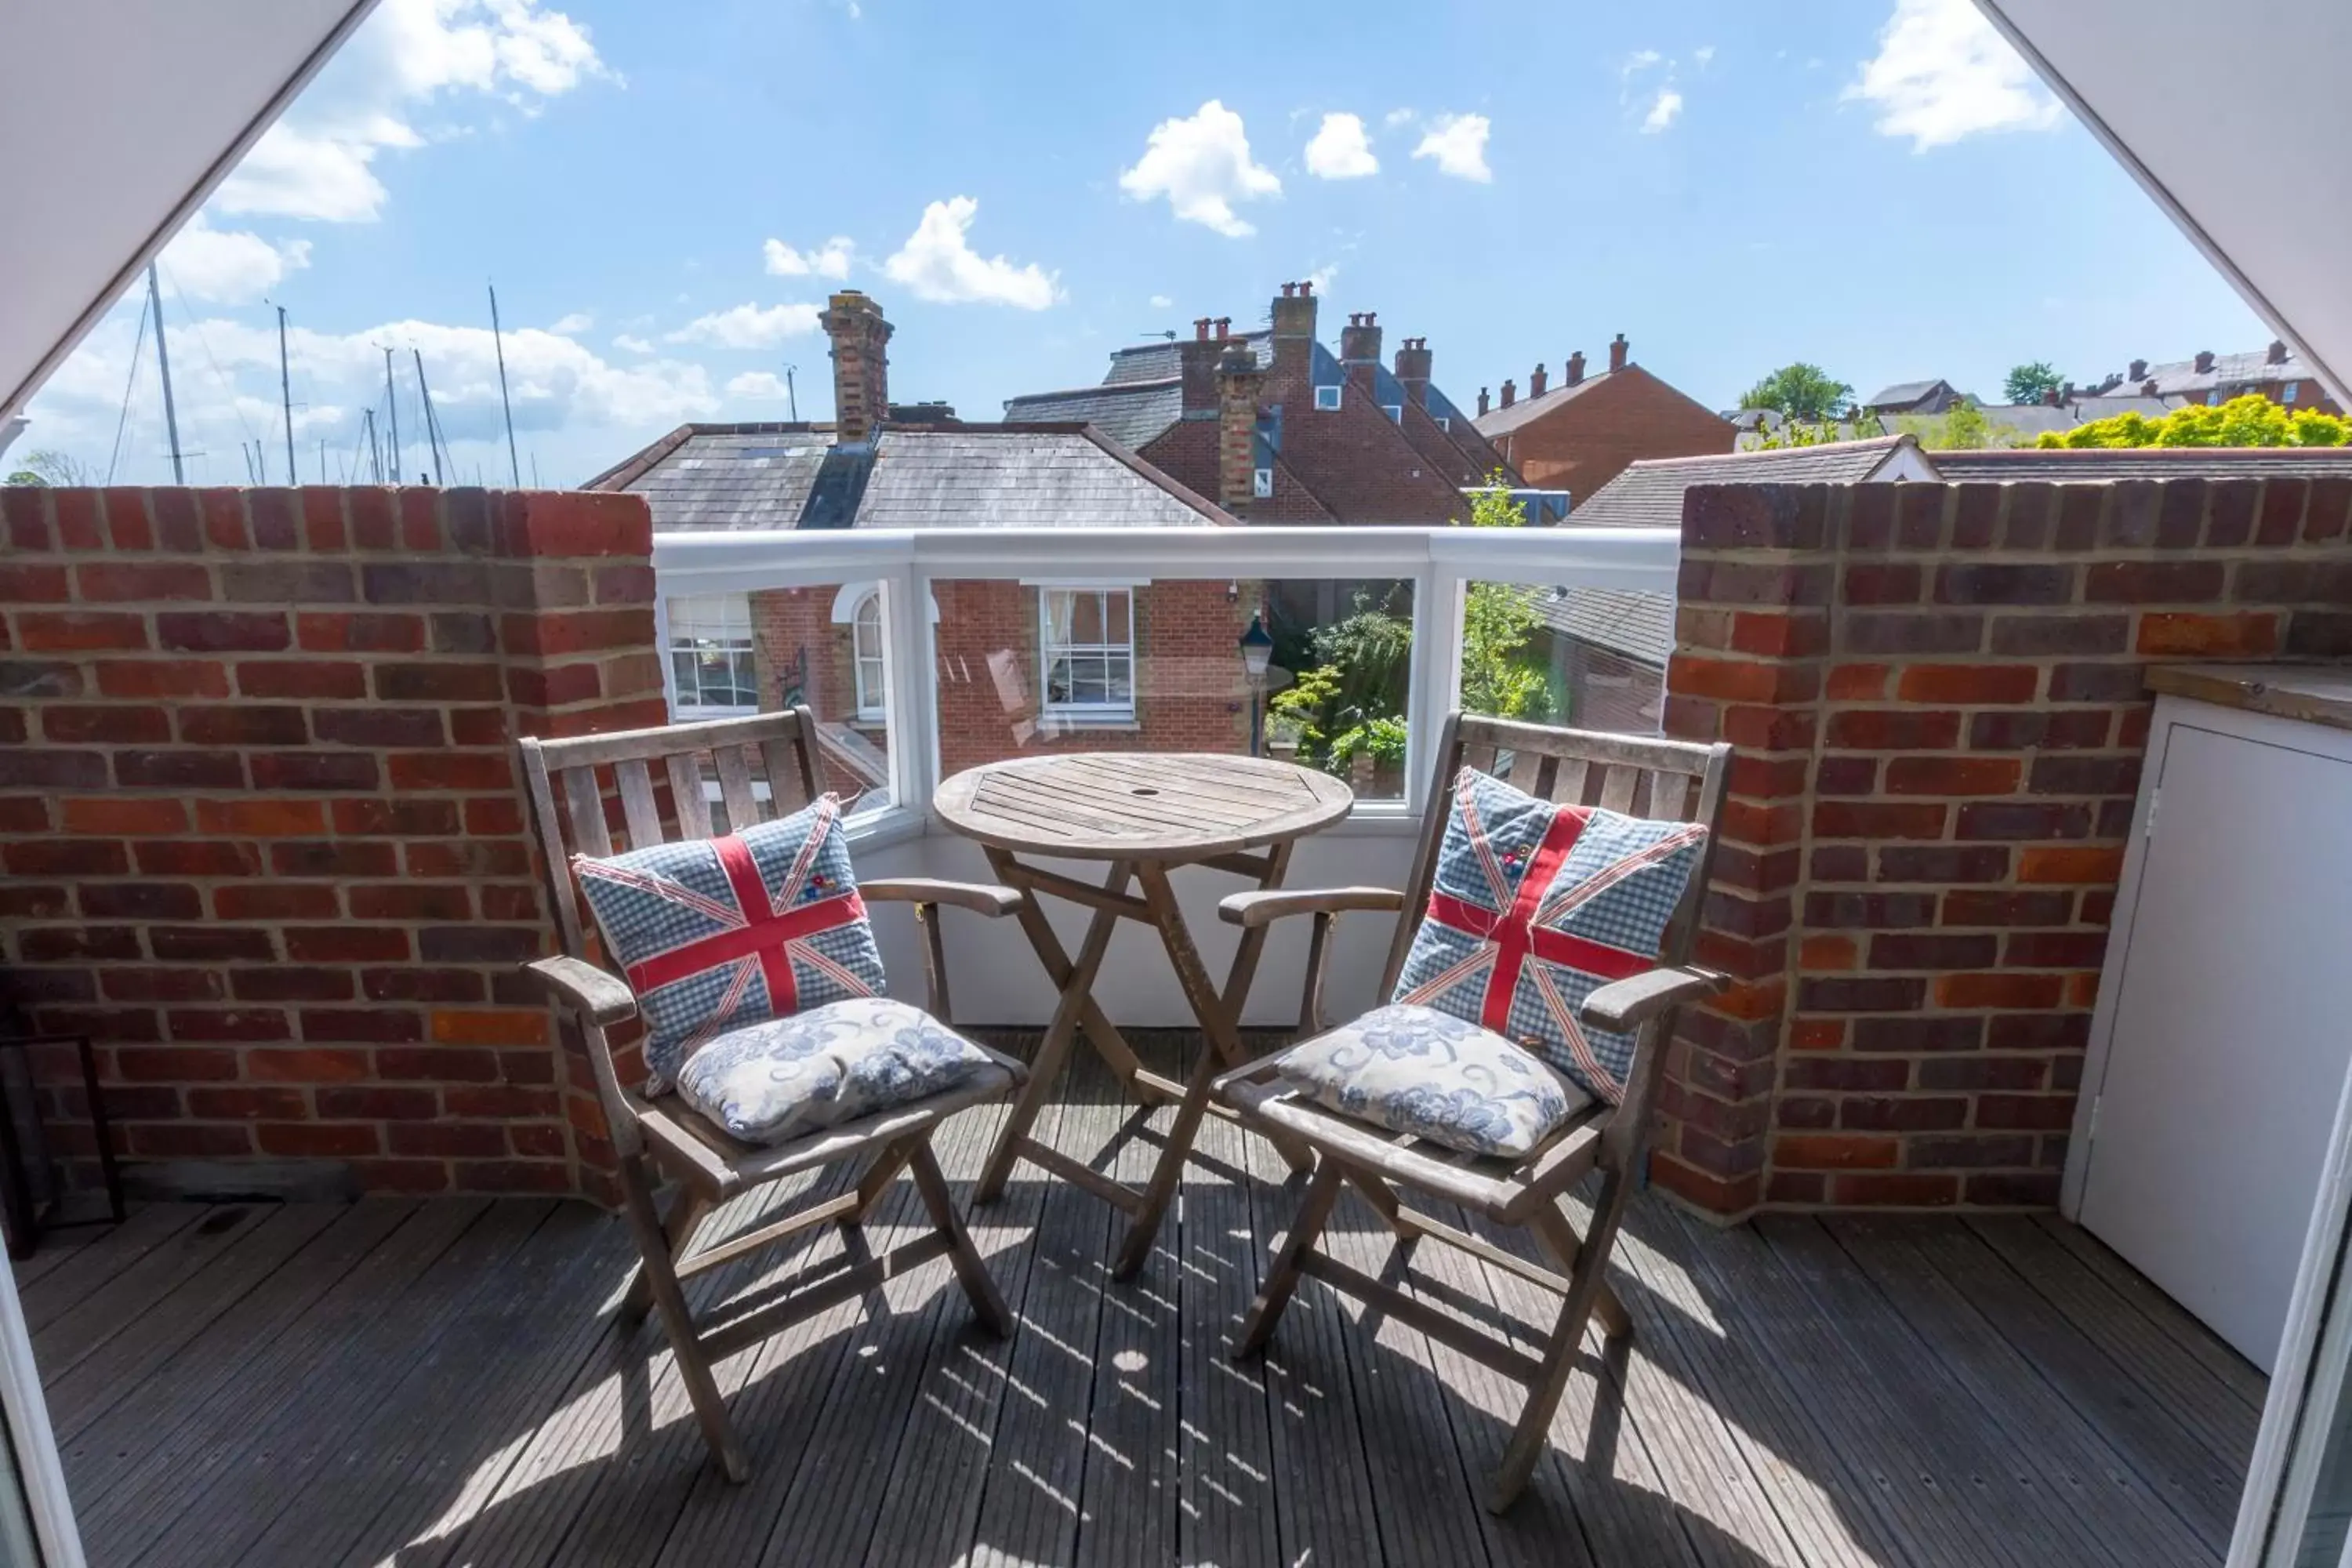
[(1416, 1069), (772, 1082)]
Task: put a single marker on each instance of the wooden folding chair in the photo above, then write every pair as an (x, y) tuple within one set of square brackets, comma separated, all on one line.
[(664, 1134), (1663, 779)]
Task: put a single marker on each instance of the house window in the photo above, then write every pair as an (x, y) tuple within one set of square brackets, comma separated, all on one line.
[(1444, 422), (2288, 395), (710, 656), (1327, 397), (1262, 483), (866, 650), (1395, 411), (1088, 652)]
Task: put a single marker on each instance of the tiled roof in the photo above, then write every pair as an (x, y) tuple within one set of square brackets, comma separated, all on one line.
[(1649, 494), (1502, 421), (2044, 465), (1638, 625), (968, 475), (1902, 392), (1158, 361), (2031, 420), (2228, 370), (1131, 413)]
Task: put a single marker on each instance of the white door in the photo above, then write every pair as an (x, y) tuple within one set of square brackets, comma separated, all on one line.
[(2232, 1028)]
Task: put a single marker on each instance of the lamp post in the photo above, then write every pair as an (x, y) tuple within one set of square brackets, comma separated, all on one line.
[(1257, 652)]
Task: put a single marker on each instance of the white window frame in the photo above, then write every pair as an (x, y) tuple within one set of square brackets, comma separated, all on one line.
[(701, 613), (1395, 411), (1327, 399), (1444, 422), (2292, 388), (1112, 713), (1261, 487), (873, 689)]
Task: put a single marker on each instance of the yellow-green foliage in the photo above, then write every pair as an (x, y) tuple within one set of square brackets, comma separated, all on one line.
[(2248, 421)]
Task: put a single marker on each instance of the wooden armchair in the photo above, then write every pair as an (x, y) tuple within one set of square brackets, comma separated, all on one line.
[(1661, 779), (664, 1136)]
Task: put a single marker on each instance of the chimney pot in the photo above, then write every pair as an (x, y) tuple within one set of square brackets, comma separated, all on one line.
[(1288, 289), (1201, 328), (1224, 325), (2138, 371), (1307, 288), (1617, 351), (1573, 371), (1536, 383), (1510, 393)]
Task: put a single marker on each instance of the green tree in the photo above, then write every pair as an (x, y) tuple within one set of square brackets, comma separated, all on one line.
[(49, 467), (1962, 428), (1802, 391), (1498, 676), (2029, 382), (2248, 421)]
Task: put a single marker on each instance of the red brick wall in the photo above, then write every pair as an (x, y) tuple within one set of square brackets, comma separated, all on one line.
[(802, 654), (1585, 442), (260, 821), (1936, 692)]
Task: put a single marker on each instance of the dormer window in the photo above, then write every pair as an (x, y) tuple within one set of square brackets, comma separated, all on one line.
[(1444, 422), (1395, 411), (1327, 397), (1262, 483)]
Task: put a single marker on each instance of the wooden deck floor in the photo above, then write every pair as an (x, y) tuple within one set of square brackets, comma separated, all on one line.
[(434, 1384)]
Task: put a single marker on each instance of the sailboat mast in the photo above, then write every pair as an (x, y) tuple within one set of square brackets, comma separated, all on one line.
[(286, 395), (376, 447), (431, 422), (163, 361), (498, 339), (392, 402)]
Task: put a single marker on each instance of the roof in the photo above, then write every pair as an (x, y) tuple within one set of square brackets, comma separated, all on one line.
[(2032, 418), (1903, 392), (1132, 413), (1649, 494), (2094, 463), (1502, 421), (1158, 361), (711, 477), (1641, 625), (2228, 370)]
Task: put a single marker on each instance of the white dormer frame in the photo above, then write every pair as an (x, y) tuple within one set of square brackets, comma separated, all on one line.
[(1327, 399)]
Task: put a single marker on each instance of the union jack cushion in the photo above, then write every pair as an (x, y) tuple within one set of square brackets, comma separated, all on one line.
[(1536, 906), (715, 933)]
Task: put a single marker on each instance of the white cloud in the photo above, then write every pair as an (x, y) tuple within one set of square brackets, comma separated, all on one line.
[(576, 323), (629, 343), (1201, 165), (1637, 62), (1341, 151), (229, 266), (939, 264), (748, 326), (1662, 111), (1704, 55), (1458, 144), (761, 384), (409, 56), (829, 260), (1162, 302), (1941, 73), (1322, 277), (1396, 117)]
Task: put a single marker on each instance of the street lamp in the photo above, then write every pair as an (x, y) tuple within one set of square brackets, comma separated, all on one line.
[(1257, 652)]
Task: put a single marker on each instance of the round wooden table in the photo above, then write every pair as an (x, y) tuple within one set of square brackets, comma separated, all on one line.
[(1145, 813)]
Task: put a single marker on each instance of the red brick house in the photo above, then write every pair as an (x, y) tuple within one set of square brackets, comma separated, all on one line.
[(1582, 433), (1024, 667)]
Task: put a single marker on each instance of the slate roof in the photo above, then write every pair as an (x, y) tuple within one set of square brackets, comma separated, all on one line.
[(1131, 413), (2228, 370), (1903, 394), (1158, 361), (1503, 421), (1649, 494), (1638, 625), (2045, 466), (2031, 420), (705, 476)]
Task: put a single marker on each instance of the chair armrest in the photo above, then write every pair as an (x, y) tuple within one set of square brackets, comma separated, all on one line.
[(1625, 1005), (600, 998), (980, 898), (1257, 908)]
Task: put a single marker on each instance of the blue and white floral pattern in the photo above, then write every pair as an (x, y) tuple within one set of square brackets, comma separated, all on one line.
[(774, 1081), (1416, 1069)]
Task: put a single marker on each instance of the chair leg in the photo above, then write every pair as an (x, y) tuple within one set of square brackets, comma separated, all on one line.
[(1533, 1433), (875, 1185), (971, 1269), (677, 1322), (687, 1212), (1282, 1278), (1557, 1236)]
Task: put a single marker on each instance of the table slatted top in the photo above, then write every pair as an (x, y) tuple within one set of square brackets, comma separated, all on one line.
[(1162, 806)]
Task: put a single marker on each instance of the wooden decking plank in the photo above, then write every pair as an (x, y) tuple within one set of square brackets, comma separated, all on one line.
[(133, 1354), (54, 1247), (2190, 1474), (196, 1504), (2181, 1379), (1779, 1463), (2237, 1374), (1029, 1502), (2042, 1427), (294, 1321), (2028, 1510), (89, 1269), (161, 1271)]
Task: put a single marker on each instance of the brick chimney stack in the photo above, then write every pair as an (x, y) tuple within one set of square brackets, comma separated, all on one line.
[(1510, 393), (861, 364), (1413, 370), (1238, 380), (2204, 361), (1535, 382), (2138, 371), (1196, 360), (1294, 323), (1572, 372), (1359, 341), (2277, 354), (1482, 401), (2148, 388), (2051, 398), (1617, 351)]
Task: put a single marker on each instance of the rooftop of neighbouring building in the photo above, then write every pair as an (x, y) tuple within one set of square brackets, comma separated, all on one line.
[(2085, 465), (1649, 494), (1637, 624), (2209, 372)]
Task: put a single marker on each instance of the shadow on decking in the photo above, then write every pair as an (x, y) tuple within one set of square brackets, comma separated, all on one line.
[(441, 1383)]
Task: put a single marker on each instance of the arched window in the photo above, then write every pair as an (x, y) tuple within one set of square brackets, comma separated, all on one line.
[(866, 648)]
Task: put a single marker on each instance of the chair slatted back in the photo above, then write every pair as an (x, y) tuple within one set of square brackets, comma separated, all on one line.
[(1638, 775), (581, 789)]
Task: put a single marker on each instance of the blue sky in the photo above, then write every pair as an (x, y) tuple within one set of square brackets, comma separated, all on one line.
[(664, 196)]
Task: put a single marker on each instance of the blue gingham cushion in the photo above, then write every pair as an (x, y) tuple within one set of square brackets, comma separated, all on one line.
[(1534, 906), (1416, 1069), (774, 1081), (714, 934)]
